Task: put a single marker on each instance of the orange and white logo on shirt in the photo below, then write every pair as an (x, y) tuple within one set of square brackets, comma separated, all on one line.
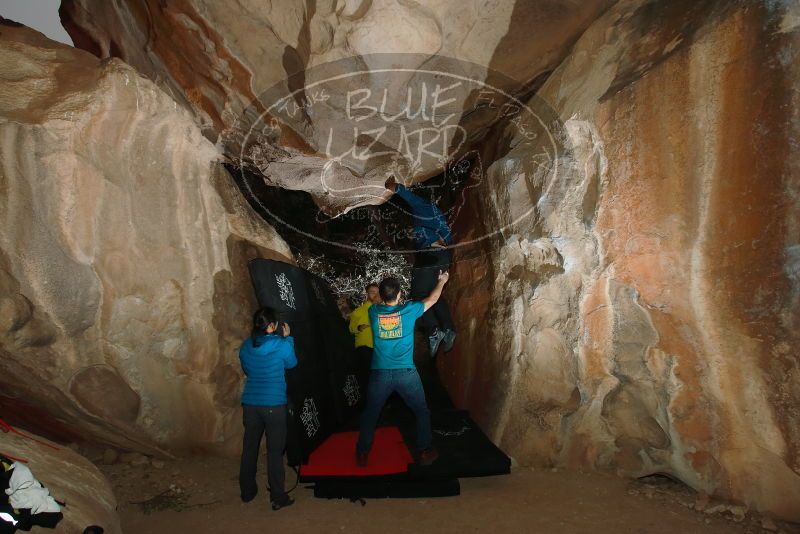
[(390, 326)]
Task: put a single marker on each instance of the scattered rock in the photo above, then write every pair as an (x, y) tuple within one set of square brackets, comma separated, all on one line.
[(768, 524), (718, 509), (93, 453), (738, 512), (110, 456), (701, 503), (134, 458)]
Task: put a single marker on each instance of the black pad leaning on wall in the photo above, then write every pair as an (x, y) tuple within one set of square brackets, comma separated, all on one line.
[(347, 374), (282, 287)]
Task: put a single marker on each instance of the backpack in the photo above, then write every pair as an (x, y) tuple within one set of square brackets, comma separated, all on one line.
[(12, 519)]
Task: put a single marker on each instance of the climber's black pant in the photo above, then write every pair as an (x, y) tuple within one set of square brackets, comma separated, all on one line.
[(424, 276), (257, 420)]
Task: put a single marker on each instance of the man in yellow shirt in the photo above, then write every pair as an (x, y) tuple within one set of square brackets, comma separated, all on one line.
[(359, 325)]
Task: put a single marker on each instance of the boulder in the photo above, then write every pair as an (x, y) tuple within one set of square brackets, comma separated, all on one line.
[(228, 63), (663, 337), (124, 291), (70, 478)]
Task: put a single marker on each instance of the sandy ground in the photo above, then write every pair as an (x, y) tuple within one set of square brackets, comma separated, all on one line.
[(201, 495)]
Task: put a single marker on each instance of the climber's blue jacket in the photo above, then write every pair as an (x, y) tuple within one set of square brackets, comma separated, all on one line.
[(430, 224)]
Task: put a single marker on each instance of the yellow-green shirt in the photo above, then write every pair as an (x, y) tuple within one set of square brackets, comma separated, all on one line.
[(359, 317)]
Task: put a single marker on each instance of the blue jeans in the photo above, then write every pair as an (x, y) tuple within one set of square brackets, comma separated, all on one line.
[(406, 382)]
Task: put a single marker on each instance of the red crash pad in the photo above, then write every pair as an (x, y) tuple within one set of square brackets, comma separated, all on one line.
[(335, 457)]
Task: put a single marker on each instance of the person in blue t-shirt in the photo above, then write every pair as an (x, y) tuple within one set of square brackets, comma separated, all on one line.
[(265, 356), (432, 236), (393, 366)]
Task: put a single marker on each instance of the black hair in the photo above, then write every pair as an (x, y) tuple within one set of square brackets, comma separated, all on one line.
[(353, 301), (389, 289), (261, 319), (371, 284)]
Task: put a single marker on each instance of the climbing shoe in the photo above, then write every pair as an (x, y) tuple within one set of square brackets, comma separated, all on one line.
[(449, 340), (428, 456), (361, 459), (247, 497), (282, 502), (434, 341)]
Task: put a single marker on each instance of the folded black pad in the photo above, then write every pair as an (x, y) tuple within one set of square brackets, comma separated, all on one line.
[(464, 450)]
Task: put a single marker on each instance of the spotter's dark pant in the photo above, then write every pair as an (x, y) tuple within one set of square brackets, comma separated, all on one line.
[(258, 420)]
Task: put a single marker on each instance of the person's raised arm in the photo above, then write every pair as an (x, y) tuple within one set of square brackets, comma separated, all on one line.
[(431, 299), (287, 348), (243, 360)]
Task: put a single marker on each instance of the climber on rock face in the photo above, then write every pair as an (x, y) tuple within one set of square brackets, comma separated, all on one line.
[(431, 237)]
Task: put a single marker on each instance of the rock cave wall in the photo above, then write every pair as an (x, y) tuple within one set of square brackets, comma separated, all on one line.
[(643, 318), (123, 250), (218, 59)]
